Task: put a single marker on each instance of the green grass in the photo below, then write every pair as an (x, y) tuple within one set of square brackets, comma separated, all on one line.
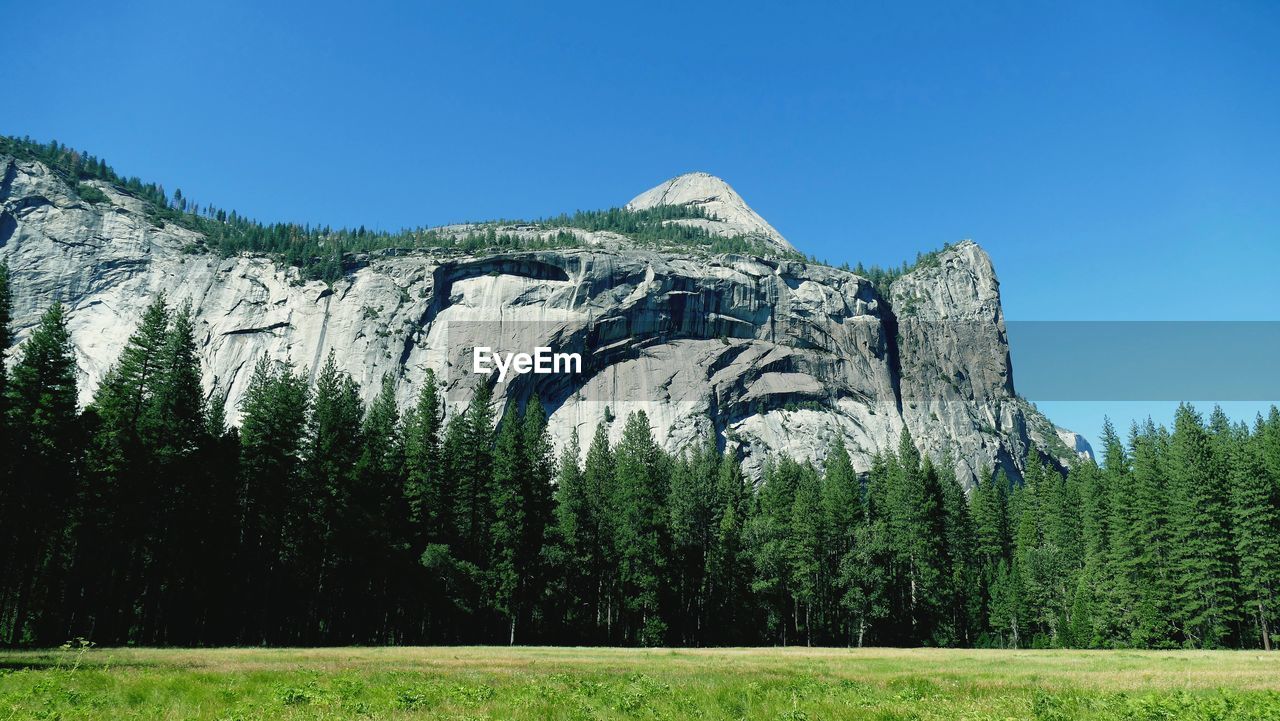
[(543, 683)]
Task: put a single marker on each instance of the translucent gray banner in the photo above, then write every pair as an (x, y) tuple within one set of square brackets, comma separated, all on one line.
[(865, 359), (1146, 360)]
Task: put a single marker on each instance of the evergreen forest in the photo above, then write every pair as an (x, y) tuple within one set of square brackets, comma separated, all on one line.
[(145, 519)]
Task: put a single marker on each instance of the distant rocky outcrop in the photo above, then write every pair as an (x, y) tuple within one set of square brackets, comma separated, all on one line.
[(770, 354), (714, 196)]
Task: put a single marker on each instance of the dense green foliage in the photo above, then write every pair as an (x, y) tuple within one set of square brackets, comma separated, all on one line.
[(144, 520), (327, 253), (566, 684)]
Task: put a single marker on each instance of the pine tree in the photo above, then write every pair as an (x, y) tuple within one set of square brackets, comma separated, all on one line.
[(1088, 609), (990, 510), (146, 493), (383, 520), (177, 586), (597, 528), (381, 453), (864, 575), (125, 395), (509, 519), (1043, 554), (1024, 508), (963, 595), (642, 540), (125, 480), (1255, 510), (428, 491), (767, 536), (216, 416), (219, 531), (1269, 438), (917, 533), (179, 399), (692, 508), (324, 534), (538, 489), (1120, 575), (803, 549), (468, 455), (275, 502), (460, 511), (727, 604), (843, 515), (1147, 565), (1064, 530), (42, 435), (1007, 605), (1203, 598), (569, 550)]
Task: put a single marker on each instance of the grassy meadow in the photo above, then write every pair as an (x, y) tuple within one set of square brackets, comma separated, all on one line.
[(575, 683)]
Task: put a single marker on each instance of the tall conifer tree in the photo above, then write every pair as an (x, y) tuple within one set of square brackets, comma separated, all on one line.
[(642, 539), (842, 516), (1201, 554), (276, 503), (728, 567), (1255, 509), (42, 434), (428, 490), (510, 515), (468, 455), (383, 517)]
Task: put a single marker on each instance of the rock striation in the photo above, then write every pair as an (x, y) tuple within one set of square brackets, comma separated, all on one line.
[(770, 355)]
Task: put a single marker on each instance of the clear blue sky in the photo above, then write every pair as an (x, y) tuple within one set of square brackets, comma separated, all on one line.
[(1117, 160)]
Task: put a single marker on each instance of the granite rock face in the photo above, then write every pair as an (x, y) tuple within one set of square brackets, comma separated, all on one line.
[(955, 374), (771, 355), (732, 215)]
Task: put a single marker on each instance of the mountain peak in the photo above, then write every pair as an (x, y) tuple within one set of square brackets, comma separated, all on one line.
[(732, 214)]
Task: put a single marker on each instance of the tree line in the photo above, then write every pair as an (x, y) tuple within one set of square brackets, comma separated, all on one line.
[(144, 519)]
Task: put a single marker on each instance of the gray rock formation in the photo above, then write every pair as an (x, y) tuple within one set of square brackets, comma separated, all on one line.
[(773, 356), (732, 215)]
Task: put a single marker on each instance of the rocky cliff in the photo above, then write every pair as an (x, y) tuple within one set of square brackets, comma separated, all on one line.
[(770, 354)]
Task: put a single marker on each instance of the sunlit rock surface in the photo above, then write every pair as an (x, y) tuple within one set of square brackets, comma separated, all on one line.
[(771, 356)]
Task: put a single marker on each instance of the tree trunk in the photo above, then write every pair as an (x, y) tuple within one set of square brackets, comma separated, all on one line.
[(19, 611), (1266, 632), (915, 624)]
